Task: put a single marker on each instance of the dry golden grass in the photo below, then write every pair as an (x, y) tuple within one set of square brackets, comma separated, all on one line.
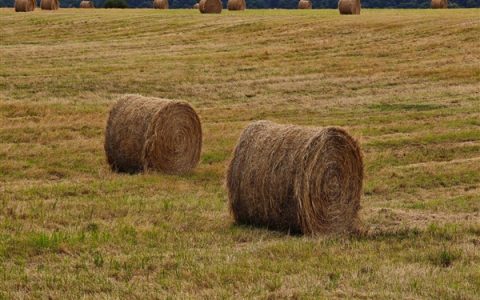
[(405, 82)]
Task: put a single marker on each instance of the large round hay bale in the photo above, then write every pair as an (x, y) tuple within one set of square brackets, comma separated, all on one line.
[(210, 6), (349, 7), (160, 4), (49, 4), (152, 134), (25, 5), (439, 3), (236, 5), (304, 4), (296, 179), (87, 4)]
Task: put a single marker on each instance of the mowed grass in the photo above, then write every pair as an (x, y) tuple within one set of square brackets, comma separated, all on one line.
[(406, 83)]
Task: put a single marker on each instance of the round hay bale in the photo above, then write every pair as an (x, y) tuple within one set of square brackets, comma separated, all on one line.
[(304, 4), (160, 4), (210, 6), (25, 5), (152, 134), (349, 7), (236, 5), (439, 4), (49, 4), (196, 6), (87, 4), (296, 179)]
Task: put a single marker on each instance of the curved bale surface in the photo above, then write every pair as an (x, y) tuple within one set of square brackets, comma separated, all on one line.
[(87, 4), (153, 134), (295, 179), (304, 4), (439, 4), (160, 4), (236, 5), (25, 5), (349, 7), (49, 4), (210, 6)]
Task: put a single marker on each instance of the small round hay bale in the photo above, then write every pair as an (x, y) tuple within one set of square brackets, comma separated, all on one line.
[(210, 6), (87, 4), (304, 4), (349, 7), (25, 5), (296, 179), (49, 4), (160, 4), (236, 5), (196, 6), (152, 134), (439, 4)]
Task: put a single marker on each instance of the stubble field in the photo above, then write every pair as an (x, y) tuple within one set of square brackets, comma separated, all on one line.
[(405, 83)]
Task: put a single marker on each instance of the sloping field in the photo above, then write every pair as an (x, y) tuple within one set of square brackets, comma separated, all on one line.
[(406, 83)]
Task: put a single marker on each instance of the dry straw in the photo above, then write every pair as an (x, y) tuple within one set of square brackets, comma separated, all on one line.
[(87, 4), (160, 4), (152, 134), (210, 6), (24, 5), (349, 7), (49, 4), (439, 4), (305, 4), (236, 5), (296, 179)]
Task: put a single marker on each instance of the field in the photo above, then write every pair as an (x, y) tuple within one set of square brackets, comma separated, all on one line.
[(405, 83)]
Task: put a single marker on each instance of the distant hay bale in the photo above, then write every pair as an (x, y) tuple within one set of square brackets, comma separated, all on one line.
[(196, 6), (349, 7), (304, 4), (210, 6), (49, 4), (439, 4), (236, 5), (296, 179), (152, 134), (25, 5), (160, 4), (87, 4)]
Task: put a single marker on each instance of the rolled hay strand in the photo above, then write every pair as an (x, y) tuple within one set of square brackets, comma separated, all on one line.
[(25, 5), (210, 6), (304, 4), (296, 179), (236, 5), (439, 4), (87, 4), (349, 7), (152, 134), (160, 4), (49, 4)]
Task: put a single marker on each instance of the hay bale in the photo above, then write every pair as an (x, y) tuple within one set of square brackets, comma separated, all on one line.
[(160, 4), (210, 6), (49, 4), (439, 4), (25, 5), (152, 134), (349, 7), (87, 4), (236, 5), (290, 178), (304, 4), (196, 6)]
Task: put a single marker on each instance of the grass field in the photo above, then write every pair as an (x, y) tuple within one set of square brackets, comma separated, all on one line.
[(406, 83)]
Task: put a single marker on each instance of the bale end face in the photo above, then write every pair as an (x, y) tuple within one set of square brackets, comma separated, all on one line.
[(152, 134), (304, 4), (295, 179), (210, 6)]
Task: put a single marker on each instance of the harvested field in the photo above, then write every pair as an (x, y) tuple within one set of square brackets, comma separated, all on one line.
[(71, 228)]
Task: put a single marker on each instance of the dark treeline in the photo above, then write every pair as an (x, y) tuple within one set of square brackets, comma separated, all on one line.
[(279, 3)]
